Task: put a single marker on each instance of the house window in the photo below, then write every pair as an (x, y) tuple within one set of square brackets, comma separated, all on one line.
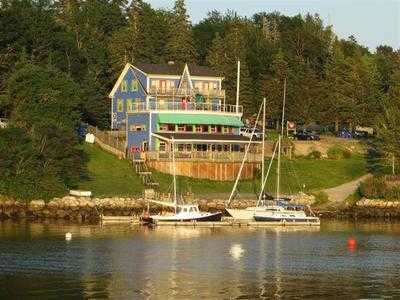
[(120, 105), (135, 127), (181, 127), (204, 128), (164, 127), (134, 85), (213, 129), (161, 147), (181, 147), (198, 128), (215, 86), (124, 86), (218, 129), (129, 105), (189, 128)]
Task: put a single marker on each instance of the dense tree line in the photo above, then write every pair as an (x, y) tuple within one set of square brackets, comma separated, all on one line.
[(59, 59)]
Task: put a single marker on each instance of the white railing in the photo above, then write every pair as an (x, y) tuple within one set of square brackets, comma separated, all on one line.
[(233, 156), (172, 91), (185, 106)]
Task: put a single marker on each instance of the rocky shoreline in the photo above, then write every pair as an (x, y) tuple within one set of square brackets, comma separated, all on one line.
[(86, 209)]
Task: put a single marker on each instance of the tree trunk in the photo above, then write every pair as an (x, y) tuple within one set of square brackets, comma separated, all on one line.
[(336, 125)]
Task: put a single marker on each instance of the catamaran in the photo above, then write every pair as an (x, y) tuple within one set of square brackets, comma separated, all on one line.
[(182, 212), (269, 211)]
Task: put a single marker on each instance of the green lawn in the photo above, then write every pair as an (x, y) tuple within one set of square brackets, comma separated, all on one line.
[(109, 176)]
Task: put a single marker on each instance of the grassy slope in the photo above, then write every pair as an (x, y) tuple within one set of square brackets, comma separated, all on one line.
[(109, 176)]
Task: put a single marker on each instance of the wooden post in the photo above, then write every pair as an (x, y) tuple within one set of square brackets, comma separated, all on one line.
[(393, 169)]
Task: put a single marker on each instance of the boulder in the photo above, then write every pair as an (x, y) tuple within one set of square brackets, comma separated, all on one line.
[(37, 205)]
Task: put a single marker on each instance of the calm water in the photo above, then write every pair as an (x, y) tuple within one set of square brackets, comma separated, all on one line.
[(122, 262)]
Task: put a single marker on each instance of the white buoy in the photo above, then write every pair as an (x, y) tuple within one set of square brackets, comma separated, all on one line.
[(68, 236)]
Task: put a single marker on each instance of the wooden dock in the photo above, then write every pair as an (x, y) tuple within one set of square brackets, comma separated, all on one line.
[(237, 224), (119, 220)]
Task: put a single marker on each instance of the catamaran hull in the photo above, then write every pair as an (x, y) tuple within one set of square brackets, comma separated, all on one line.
[(211, 217)]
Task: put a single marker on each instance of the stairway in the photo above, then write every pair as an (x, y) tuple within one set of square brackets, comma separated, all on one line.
[(144, 172)]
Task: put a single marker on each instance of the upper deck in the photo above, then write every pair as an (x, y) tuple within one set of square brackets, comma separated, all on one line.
[(175, 92), (182, 106)]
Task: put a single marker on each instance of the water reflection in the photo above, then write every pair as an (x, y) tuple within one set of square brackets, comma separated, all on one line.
[(130, 262)]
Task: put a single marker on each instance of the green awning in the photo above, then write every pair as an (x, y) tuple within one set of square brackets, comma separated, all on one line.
[(204, 119)]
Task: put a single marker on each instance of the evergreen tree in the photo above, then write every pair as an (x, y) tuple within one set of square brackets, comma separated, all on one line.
[(180, 43)]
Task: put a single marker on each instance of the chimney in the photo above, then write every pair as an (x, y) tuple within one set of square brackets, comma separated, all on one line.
[(171, 63)]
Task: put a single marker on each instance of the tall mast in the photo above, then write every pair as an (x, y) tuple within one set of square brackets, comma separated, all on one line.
[(278, 170), (237, 86), (174, 172), (263, 150), (278, 179), (283, 108), (228, 203)]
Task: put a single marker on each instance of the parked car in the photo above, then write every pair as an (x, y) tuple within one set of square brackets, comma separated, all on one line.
[(306, 136), (3, 123), (357, 134), (345, 134), (246, 131)]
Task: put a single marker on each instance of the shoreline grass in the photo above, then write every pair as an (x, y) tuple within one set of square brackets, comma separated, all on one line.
[(109, 176)]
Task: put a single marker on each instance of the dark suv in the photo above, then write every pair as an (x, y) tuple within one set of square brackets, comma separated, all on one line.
[(306, 136)]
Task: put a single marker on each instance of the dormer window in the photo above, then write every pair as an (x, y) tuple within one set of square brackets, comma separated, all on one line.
[(124, 86), (134, 85)]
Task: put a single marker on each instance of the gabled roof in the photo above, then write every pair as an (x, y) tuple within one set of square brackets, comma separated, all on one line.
[(176, 69), (121, 77)]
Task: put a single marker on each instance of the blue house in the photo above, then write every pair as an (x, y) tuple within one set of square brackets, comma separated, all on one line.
[(157, 105)]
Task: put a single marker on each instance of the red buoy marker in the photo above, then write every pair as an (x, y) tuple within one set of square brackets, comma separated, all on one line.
[(351, 244)]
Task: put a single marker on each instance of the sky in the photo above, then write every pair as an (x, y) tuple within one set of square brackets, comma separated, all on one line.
[(372, 22)]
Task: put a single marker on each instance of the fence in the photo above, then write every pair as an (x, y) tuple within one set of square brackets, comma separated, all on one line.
[(220, 156), (185, 106), (111, 141)]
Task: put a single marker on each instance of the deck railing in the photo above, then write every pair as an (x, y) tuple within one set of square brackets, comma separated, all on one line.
[(153, 105), (223, 156), (157, 91)]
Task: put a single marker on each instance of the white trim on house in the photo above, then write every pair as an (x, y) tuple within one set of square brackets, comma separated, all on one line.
[(197, 77), (121, 77), (164, 76), (150, 130), (204, 140), (119, 80), (194, 112)]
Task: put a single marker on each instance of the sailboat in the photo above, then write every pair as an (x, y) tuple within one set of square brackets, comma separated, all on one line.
[(279, 210), (182, 212), (247, 214)]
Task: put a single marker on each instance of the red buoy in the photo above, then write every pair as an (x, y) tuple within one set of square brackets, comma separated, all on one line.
[(351, 244)]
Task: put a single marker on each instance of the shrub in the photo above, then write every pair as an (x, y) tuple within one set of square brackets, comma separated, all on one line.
[(321, 198), (315, 154), (338, 153), (346, 153)]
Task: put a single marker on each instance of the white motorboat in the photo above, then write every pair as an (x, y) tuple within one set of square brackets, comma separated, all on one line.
[(182, 212)]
